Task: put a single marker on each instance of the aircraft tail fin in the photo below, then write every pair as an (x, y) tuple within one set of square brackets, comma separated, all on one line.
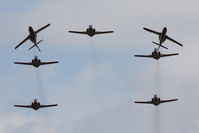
[(160, 45)]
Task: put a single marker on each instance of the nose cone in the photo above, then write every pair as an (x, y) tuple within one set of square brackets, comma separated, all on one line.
[(35, 100), (165, 29), (90, 26), (30, 28)]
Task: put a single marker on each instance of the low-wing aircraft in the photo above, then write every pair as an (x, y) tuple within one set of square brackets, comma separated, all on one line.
[(156, 55), (91, 31), (35, 105), (162, 37), (36, 62), (156, 101), (33, 37)]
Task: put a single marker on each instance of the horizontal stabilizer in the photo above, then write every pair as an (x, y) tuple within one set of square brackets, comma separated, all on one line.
[(36, 45), (160, 45)]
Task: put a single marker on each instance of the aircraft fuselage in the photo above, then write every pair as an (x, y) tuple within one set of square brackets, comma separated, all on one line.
[(162, 36), (36, 62), (90, 31), (156, 100), (32, 35), (35, 105), (156, 54)]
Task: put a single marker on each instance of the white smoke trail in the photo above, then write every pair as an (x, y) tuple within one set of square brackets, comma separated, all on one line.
[(157, 124), (93, 51), (40, 86), (158, 79)]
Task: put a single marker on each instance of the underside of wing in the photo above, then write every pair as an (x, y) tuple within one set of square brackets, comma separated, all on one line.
[(149, 30), (42, 28), (148, 56), (173, 40), (23, 63), (45, 106), (165, 55), (144, 102), (78, 32), (23, 106), (46, 63), (165, 101), (22, 42), (103, 32)]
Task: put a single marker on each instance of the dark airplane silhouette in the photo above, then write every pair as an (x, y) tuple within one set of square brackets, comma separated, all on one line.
[(156, 55), (162, 37), (156, 101), (35, 105), (36, 62), (33, 37), (91, 31)]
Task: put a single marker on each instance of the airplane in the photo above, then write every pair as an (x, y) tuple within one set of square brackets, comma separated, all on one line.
[(35, 105), (36, 62), (156, 101), (162, 37), (156, 54), (91, 31), (33, 37)]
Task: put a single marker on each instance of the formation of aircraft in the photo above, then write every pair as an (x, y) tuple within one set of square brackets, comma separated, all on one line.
[(156, 55), (36, 105), (162, 37), (156, 101), (91, 31), (33, 37), (36, 62)]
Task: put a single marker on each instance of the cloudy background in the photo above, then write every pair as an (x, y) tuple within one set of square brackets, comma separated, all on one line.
[(98, 79)]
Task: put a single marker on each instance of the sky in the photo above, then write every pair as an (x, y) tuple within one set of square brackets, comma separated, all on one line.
[(98, 79)]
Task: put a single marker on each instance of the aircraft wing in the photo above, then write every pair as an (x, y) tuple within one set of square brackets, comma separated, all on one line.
[(165, 101), (173, 40), (45, 106), (46, 63), (149, 30), (22, 42), (103, 32), (23, 106), (78, 32), (164, 55), (149, 56), (42, 28), (23, 63), (144, 102)]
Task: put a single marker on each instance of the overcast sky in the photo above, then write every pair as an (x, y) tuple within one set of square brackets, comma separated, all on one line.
[(98, 79)]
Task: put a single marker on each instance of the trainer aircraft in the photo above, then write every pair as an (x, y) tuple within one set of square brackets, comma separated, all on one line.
[(162, 37), (33, 37), (156, 55), (36, 62), (156, 101), (91, 31), (35, 105)]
